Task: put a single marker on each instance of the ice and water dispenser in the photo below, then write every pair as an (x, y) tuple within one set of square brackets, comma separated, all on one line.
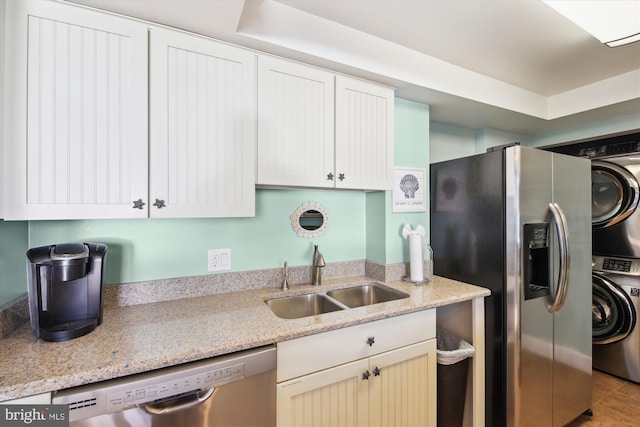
[(536, 260)]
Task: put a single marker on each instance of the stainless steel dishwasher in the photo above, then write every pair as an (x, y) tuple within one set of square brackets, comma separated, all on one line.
[(238, 389)]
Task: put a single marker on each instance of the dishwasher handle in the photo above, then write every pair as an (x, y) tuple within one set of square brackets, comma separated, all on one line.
[(176, 404)]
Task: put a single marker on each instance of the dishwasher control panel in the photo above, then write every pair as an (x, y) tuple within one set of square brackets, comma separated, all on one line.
[(165, 384), (139, 395)]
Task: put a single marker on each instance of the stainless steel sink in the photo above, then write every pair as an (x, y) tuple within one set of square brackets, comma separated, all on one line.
[(295, 307), (366, 295)]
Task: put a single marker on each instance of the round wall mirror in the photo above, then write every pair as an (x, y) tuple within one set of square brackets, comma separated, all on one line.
[(310, 220)]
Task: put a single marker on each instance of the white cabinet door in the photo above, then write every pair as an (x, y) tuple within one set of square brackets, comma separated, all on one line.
[(295, 124), (318, 129), (336, 397), (76, 113), (202, 142), (403, 386), (364, 135)]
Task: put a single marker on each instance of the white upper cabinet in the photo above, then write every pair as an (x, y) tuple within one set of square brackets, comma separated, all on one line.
[(319, 129), (86, 138), (202, 127), (76, 113), (364, 135), (295, 124)]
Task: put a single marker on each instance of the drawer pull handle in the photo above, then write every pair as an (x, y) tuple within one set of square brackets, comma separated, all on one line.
[(366, 375), (371, 341)]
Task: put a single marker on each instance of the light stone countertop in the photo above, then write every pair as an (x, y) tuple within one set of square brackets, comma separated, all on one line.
[(144, 337)]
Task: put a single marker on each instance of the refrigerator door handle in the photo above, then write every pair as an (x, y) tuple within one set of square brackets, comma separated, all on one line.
[(562, 288)]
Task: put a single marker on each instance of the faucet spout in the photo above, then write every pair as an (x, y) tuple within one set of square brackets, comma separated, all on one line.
[(318, 263), (285, 284)]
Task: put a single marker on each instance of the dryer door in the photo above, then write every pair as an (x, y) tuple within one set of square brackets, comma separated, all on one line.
[(612, 312), (614, 194)]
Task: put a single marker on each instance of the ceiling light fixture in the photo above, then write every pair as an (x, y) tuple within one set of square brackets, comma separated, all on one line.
[(613, 22)]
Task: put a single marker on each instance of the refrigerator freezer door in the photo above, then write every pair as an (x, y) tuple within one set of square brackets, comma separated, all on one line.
[(467, 237)]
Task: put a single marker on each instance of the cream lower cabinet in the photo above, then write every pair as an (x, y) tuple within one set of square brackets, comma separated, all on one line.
[(395, 385), (391, 389)]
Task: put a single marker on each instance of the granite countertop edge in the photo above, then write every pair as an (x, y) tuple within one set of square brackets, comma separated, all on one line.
[(135, 339)]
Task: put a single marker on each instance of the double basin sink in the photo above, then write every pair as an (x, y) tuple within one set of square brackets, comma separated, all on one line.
[(311, 304)]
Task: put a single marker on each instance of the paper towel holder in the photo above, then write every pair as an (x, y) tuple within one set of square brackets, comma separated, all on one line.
[(420, 255)]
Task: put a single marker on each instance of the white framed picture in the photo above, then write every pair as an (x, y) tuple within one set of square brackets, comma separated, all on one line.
[(409, 190)]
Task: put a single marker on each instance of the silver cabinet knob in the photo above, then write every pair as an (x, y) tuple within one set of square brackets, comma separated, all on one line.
[(159, 204)]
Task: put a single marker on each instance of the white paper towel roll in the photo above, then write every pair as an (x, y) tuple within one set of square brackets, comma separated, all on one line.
[(415, 257)]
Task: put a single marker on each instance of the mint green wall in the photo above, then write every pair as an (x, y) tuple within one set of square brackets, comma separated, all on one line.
[(164, 248), (487, 138), (448, 142), (411, 150), (13, 270)]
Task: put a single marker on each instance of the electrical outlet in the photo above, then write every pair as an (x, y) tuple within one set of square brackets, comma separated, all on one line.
[(219, 259)]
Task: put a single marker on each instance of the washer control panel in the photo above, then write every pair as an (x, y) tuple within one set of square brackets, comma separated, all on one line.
[(619, 265)]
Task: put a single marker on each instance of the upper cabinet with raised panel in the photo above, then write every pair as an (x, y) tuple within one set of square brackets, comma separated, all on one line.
[(76, 113), (202, 128), (319, 129)]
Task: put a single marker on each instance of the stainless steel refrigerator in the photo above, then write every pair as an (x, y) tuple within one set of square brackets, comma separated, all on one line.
[(517, 220)]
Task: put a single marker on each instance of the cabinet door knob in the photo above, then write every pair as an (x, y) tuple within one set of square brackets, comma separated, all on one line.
[(138, 204), (159, 204), (371, 341), (341, 176), (330, 176), (376, 372), (366, 375)]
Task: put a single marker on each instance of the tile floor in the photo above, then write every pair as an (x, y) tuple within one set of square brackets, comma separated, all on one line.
[(616, 403)]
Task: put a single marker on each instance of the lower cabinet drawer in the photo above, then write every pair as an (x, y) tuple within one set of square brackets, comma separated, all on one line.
[(313, 353)]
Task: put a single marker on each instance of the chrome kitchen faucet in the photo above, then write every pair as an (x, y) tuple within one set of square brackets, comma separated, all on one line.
[(316, 267)]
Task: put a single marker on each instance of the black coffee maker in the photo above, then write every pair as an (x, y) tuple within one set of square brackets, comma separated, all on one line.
[(66, 289)]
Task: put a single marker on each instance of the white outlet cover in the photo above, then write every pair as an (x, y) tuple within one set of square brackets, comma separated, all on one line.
[(219, 259)]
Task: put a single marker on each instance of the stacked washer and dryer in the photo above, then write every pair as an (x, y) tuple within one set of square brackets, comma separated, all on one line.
[(615, 173), (615, 177)]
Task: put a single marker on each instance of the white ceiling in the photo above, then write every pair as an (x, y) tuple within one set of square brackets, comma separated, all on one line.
[(511, 65)]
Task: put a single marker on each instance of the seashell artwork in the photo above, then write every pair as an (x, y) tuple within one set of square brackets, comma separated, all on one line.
[(409, 185)]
